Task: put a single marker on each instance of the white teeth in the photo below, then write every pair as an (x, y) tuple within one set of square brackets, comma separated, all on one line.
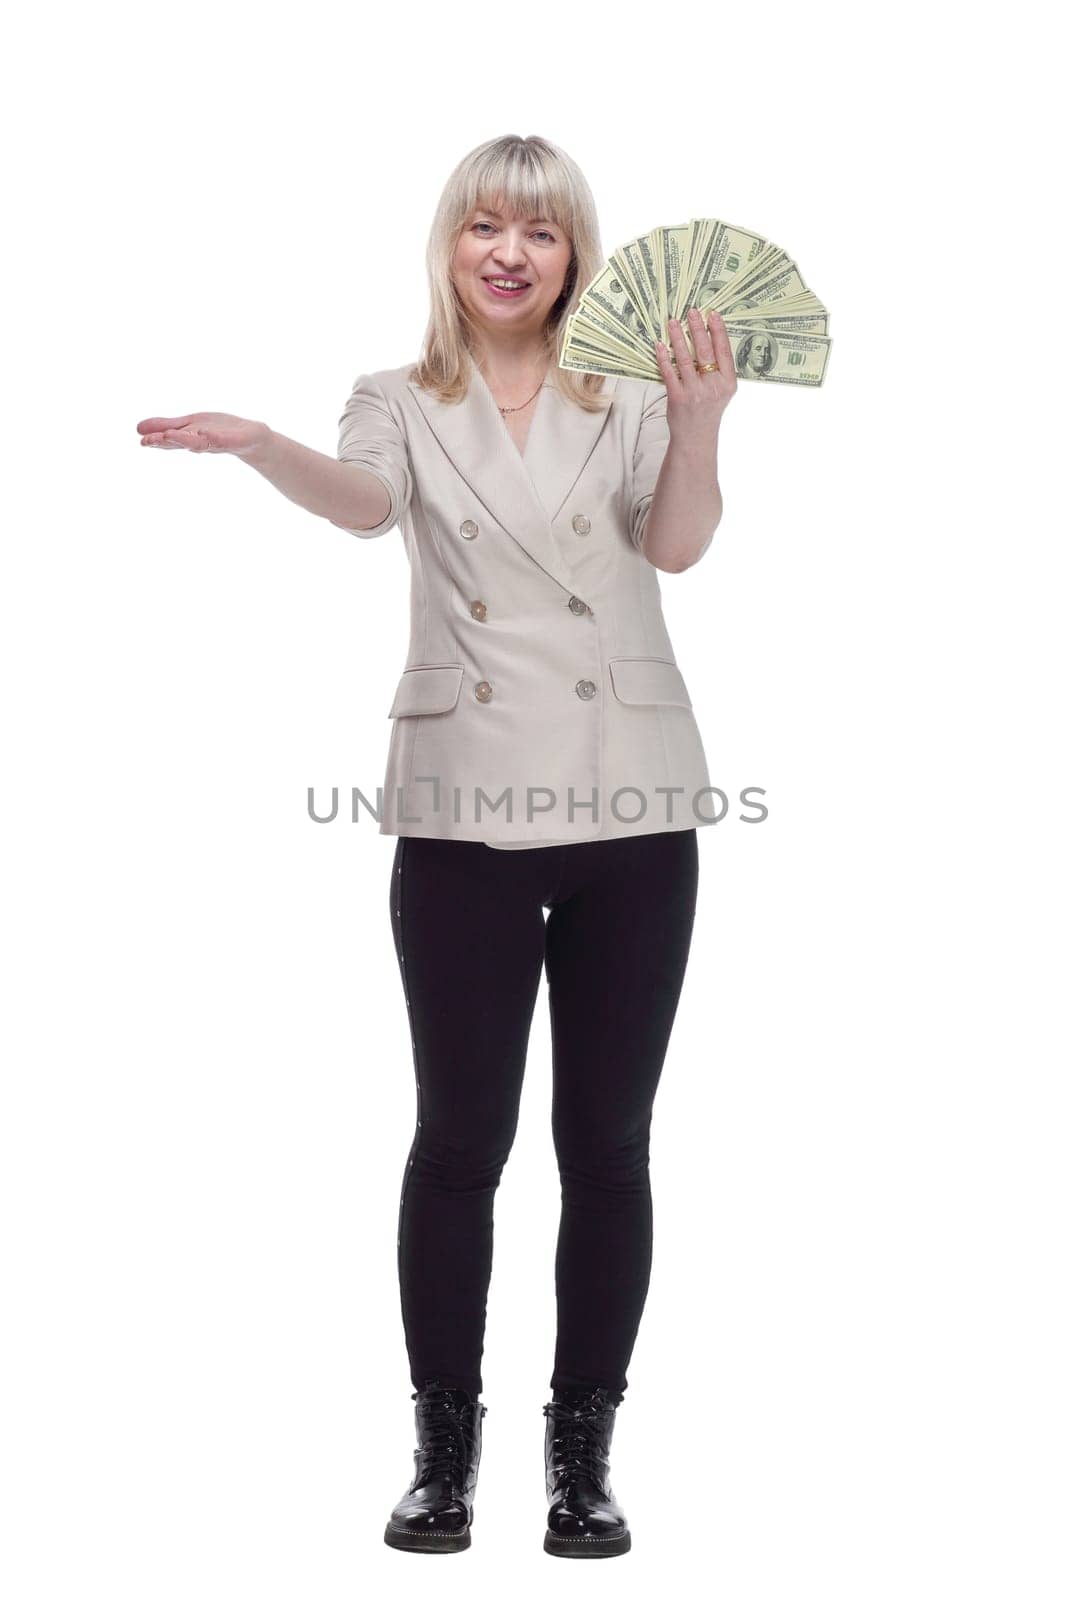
[(507, 283)]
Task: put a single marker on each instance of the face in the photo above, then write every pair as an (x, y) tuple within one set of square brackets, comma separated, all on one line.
[(534, 251)]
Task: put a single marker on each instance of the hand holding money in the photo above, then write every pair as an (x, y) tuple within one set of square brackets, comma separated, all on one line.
[(700, 390), (775, 325)]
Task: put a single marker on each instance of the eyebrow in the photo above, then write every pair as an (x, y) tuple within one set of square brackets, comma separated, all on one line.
[(490, 213)]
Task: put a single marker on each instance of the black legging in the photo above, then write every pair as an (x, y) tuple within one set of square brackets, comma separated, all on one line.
[(471, 938)]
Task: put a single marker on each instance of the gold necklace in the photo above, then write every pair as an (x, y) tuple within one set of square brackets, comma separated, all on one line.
[(507, 410)]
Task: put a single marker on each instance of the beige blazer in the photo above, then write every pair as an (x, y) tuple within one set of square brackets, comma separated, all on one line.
[(541, 702)]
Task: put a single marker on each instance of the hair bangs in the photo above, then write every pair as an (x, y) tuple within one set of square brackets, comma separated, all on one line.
[(513, 180)]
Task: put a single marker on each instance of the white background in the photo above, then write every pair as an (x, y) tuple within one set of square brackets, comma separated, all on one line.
[(849, 1378)]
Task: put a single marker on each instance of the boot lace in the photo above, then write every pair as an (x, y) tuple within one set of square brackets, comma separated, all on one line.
[(574, 1441), (443, 1446)]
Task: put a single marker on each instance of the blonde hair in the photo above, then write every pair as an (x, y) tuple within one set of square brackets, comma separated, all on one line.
[(532, 178)]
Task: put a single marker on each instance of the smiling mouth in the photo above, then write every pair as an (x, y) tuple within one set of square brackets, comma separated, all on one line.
[(497, 288)]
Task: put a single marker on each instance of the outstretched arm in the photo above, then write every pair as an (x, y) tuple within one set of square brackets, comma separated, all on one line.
[(347, 495)]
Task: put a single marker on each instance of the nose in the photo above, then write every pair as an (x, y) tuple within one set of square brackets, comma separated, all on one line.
[(509, 253)]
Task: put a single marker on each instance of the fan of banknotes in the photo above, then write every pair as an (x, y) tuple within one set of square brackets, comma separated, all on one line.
[(776, 325)]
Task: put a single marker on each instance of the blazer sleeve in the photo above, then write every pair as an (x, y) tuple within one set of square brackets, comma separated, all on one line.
[(653, 436), (370, 437)]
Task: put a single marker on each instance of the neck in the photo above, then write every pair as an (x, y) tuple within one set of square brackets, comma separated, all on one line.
[(512, 368)]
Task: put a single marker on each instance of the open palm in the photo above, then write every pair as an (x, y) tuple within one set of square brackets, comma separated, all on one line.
[(212, 431)]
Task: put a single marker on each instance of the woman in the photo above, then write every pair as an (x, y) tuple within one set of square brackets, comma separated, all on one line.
[(541, 696)]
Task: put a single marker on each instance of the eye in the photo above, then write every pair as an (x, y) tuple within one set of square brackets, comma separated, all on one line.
[(539, 233)]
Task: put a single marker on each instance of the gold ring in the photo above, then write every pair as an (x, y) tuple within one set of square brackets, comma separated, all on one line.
[(708, 366)]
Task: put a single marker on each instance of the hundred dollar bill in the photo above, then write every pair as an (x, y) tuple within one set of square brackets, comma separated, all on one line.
[(591, 339), (590, 326), (719, 255), (766, 356), (610, 319), (609, 302), (794, 322), (670, 249), (634, 266), (574, 361), (594, 358), (779, 279), (783, 305)]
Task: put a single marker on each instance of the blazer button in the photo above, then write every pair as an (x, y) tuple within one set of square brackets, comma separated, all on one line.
[(483, 690), (478, 609), (585, 689), (576, 605), (469, 529), (580, 523)]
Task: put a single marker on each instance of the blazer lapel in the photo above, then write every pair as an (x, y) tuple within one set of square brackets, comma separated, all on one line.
[(524, 492)]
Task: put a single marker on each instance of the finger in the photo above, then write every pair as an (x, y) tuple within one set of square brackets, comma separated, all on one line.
[(702, 343), (159, 424), (667, 372), (198, 440), (194, 439), (680, 348), (720, 339)]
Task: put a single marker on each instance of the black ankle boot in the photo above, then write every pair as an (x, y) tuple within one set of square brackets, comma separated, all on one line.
[(436, 1513), (584, 1518)]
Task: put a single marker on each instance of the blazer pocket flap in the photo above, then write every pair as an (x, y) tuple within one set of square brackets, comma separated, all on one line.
[(648, 681), (425, 690)]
